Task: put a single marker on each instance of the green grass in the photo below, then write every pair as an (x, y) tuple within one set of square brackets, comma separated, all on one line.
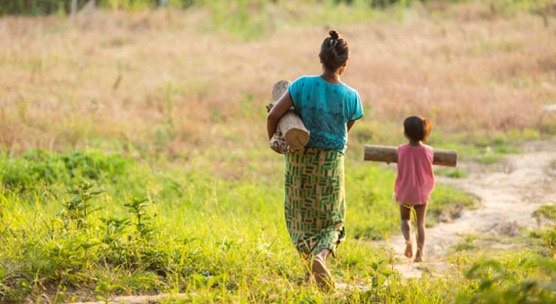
[(483, 148), (159, 227), (449, 202), (450, 172), (467, 243), (546, 211), (165, 227)]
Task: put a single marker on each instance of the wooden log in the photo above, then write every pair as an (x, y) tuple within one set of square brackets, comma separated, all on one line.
[(295, 133), (390, 155), (279, 89), (290, 127)]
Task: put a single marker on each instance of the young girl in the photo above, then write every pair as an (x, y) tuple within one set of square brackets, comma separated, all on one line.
[(415, 181)]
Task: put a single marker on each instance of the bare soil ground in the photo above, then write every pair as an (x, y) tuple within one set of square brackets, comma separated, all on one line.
[(141, 299), (509, 193)]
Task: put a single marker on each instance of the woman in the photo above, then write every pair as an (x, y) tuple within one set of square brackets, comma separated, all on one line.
[(314, 180)]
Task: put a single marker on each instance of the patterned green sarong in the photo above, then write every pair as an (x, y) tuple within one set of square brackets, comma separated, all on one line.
[(315, 199)]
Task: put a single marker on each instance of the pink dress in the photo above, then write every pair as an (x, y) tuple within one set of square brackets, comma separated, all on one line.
[(415, 180)]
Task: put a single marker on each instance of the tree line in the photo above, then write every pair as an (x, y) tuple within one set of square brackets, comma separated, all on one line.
[(46, 7)]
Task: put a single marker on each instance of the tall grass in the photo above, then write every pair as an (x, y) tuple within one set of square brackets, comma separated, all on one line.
[(119, 79)]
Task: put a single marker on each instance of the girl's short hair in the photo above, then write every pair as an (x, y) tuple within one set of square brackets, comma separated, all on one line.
[(417, 127), (334, 51)]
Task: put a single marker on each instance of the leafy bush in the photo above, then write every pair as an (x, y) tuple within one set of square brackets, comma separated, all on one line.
[(546, 212), (548, 234), (78, 208)]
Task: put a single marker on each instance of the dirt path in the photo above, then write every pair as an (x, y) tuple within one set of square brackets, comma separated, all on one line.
[(509, 193), (165, 298)]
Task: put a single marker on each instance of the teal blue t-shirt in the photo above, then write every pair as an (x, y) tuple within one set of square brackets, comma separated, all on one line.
[(325, 109)]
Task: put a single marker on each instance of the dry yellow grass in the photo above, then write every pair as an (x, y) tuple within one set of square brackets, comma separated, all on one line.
[(160, 81)]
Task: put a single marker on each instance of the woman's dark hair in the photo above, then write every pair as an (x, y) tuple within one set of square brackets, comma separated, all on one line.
[(334, 51), (417, 127)]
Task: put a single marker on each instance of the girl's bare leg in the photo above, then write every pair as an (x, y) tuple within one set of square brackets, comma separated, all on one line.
[(421, 213), (405, 213)]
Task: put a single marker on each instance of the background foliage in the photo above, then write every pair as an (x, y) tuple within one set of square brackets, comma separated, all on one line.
[(40, 7)]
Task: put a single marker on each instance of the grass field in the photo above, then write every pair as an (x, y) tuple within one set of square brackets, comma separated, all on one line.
[(153, 175), (215, 237)]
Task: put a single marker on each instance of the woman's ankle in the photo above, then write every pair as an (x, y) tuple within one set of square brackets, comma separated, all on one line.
[(323, 253)]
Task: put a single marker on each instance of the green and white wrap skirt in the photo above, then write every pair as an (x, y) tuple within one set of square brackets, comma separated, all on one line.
[(315, 204)]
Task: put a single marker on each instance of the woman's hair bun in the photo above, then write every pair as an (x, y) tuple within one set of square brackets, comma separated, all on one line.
[(334, 51)]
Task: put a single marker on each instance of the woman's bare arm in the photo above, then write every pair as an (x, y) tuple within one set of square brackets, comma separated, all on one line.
[(280, 108), (350, 124)]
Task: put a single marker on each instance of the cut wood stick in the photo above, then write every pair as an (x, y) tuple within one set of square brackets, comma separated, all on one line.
[(390, 155), (295, 133), (290, 126)]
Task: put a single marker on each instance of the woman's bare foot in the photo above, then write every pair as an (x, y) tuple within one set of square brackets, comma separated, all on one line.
[(408, 249), (322, 275), (308, 278)]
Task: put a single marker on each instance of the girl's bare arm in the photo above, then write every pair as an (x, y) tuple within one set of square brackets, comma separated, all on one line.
[(280, 108)]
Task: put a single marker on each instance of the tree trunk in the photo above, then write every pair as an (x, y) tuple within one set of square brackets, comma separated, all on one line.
[(26, 6), (88, 8), (73, 7), (390, 155)]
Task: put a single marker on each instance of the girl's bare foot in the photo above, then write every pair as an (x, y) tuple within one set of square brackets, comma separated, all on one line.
[(419, 257), (408, 249)]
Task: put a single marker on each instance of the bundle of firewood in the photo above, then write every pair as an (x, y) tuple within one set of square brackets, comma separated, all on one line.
[(291, 133)]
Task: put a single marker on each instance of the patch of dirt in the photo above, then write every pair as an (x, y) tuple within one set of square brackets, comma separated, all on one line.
[(508, 199), (141, 299)]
